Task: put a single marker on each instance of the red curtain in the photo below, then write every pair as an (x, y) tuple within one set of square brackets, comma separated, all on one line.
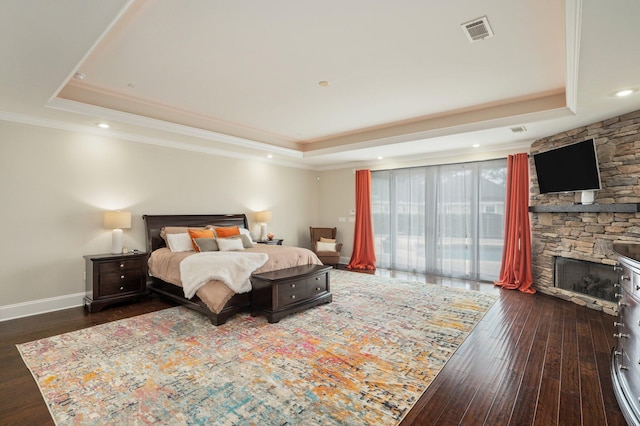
[(515, 272), (363, 256)]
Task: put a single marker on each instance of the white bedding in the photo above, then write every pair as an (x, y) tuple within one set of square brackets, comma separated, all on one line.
[(232, 268)]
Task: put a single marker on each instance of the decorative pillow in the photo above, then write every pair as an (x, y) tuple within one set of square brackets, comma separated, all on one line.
[(244, 231), (327, 240), (175, 230), (321, 246), (179, 242), (200, 233), (246, 240), (229, 244), (227, 231), (205, 244)]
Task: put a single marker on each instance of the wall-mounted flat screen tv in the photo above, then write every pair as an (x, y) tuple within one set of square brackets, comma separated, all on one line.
[(569, 168)]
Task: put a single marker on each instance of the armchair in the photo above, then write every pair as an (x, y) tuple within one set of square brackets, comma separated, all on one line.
[(329, 251)]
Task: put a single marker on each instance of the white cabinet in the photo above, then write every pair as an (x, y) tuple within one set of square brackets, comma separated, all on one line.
[(625, 359)]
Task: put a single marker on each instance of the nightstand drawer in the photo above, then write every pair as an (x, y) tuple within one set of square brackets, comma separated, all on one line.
[(112, 284), (130, 265)]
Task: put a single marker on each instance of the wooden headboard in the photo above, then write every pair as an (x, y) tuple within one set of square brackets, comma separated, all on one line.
[(154, 224)]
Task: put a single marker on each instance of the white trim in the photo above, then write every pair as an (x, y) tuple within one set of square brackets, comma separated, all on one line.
[(431, 158), (180, 129), (41, 306), (62, 125), (450, 130), (572, 30), (95, 44)]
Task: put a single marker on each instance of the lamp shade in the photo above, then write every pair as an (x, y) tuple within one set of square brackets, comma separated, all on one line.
[(117, 220), (263, 216)]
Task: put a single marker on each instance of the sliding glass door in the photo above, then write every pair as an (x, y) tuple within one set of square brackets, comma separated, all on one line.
[(443, 220)]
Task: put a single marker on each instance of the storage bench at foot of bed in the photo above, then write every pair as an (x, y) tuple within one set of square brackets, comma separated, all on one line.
[(279, 293)]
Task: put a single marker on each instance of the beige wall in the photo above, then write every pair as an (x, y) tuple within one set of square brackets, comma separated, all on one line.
[(338, 193), (55, 186)]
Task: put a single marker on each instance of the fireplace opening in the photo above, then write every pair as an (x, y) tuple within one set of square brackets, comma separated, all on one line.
[(581, 276)]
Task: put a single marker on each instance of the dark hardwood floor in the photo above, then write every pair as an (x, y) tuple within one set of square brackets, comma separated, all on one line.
[(533, 359)]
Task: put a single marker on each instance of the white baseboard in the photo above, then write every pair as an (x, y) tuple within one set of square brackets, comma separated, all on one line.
[(41, 306)]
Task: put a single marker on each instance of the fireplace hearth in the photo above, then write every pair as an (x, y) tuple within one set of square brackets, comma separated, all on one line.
[(581, 276)]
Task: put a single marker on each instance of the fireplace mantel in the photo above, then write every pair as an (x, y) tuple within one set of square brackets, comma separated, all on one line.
[(587, 208)]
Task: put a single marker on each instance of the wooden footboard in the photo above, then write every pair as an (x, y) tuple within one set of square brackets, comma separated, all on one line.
[(238, 303)]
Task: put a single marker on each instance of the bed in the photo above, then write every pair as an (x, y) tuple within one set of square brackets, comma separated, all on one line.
[(215, 299)]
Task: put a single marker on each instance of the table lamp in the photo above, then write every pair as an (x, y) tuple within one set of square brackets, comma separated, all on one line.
[(263, 218), (117, 221)]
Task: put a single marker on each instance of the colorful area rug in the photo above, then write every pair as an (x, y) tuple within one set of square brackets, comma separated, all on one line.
[(364, 359)]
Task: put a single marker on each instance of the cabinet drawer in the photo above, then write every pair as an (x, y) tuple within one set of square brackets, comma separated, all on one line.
[(289, 293), (296, 291), (316, 285), (123, 265), (119, 283), (630, 313), (634, 285), (629, 281), (630, 370)]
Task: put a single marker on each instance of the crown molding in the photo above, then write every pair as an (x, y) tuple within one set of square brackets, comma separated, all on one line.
[(165, 126), (61, 125), (436, 158), (553, 112), (572, 31)]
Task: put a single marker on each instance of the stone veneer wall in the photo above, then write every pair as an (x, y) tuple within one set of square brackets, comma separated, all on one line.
[(588, 236)]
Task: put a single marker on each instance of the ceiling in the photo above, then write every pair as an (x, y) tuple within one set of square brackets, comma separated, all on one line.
[(243, 78)]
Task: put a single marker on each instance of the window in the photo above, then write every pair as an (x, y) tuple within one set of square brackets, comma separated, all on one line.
[(442, 220)]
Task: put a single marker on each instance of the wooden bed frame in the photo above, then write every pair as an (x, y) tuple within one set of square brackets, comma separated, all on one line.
[(155, 223)]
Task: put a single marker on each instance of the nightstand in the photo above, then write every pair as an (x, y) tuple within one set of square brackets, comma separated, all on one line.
[(113, 278), (274, 242)]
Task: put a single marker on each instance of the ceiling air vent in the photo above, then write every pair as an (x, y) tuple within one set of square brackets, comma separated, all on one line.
[(478, 29), (518, 129)]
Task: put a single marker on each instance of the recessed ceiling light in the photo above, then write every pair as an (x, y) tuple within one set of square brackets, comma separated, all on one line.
[(476, 145), (624, 92), (103, 125), (380, 157), (269, 156), (78, 76), (323, 83)]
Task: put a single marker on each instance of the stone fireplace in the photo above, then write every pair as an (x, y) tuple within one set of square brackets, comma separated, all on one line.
[(589, 278), (562, 227)]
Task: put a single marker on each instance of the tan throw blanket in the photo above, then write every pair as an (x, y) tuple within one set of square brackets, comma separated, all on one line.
[(233, 269)]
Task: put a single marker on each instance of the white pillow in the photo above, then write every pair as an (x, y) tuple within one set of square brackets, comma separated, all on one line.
[(179, 242), (229, 244), (246, 232), (320, 246)]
